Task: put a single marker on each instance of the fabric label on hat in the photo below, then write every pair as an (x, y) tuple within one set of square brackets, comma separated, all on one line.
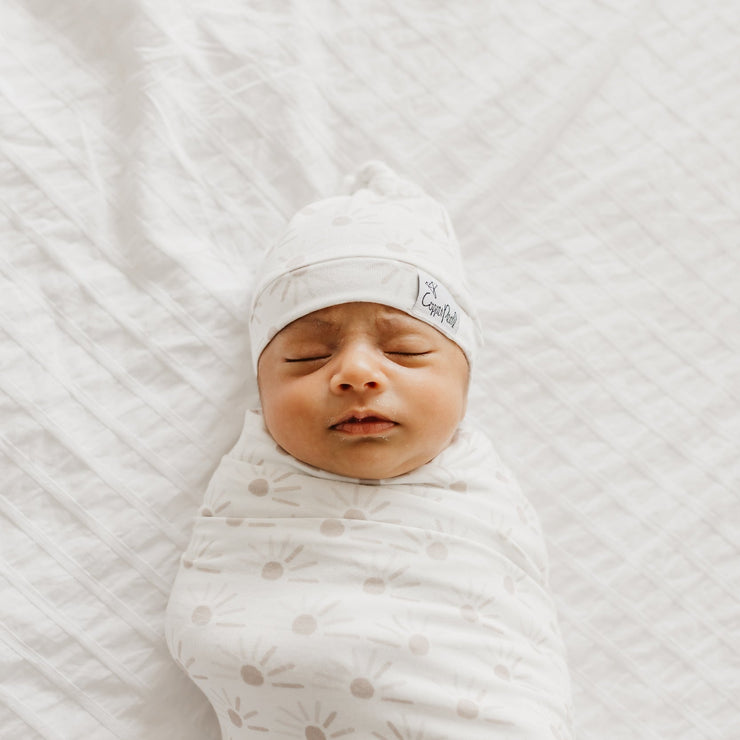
[(435, 305)]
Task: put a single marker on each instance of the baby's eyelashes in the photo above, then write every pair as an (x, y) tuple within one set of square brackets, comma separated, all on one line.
[(309, 356), (307, 359), (326, 357), (409, 354)]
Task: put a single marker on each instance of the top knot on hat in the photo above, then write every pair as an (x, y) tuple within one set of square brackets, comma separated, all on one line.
[(381, 179)]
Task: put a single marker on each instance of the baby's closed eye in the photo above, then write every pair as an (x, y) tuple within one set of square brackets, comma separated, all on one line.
[(407, 353), (308, 358)]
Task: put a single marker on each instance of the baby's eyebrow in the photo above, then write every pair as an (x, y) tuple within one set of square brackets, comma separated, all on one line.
[(387, 323), (397, 323), (312, 322)]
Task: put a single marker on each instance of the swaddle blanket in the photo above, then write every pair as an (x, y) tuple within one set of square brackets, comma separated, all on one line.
[(313, 606)]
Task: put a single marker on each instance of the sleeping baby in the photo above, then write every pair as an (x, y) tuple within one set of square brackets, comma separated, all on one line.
[(363, 565)]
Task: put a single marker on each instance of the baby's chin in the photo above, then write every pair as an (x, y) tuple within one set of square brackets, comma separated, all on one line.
[(369, 466), (374, 472)]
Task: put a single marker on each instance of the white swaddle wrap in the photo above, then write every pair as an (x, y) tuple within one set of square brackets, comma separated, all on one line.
[(313, 606)]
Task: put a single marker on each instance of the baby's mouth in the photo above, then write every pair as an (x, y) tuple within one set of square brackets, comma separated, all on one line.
[(364, 425)]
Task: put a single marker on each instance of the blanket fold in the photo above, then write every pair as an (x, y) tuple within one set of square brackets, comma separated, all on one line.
[(310, 605)]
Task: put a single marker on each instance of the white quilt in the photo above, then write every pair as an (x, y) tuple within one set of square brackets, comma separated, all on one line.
[(589, 154)]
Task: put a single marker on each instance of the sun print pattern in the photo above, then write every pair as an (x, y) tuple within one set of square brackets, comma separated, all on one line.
[(310, 606), (315, 722)]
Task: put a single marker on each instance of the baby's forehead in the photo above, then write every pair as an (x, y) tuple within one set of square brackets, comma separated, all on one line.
[(335, 319)]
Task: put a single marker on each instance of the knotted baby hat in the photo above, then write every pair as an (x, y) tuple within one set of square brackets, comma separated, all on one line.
[(386, 242)]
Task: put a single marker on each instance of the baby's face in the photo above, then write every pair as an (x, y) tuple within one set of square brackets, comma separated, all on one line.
[(362, 390)]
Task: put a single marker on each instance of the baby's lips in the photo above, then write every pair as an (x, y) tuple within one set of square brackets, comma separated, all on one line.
[(358, 416), (368, 425)]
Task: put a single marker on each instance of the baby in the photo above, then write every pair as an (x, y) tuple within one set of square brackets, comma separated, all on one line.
[(363, 565), (349, 388)]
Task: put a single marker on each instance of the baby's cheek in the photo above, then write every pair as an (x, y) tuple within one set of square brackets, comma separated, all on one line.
[(293, 420), (450, 412)]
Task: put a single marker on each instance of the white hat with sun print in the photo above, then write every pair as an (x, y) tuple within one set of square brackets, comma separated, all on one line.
[(386, 242)]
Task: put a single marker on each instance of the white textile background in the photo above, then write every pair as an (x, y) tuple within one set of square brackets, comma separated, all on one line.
[(589, 154)]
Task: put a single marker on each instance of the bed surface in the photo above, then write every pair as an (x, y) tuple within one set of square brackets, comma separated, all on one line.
[(589, 154)]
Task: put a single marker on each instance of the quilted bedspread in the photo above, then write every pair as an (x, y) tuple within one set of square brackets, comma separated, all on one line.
[(589, 154)]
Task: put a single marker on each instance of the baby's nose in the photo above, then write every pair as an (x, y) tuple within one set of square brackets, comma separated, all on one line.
[(359, 369)]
